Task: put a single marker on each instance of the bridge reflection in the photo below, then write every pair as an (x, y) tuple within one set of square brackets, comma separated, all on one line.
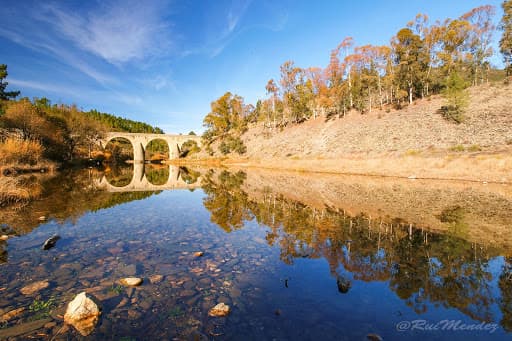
[(179, 178)]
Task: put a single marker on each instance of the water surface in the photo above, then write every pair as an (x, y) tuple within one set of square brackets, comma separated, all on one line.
[(295, 256)]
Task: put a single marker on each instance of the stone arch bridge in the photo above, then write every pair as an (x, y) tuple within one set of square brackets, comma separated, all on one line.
[(140, 141)]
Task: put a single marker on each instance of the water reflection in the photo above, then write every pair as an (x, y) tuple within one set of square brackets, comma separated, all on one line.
[(424, 269), (318, 250)]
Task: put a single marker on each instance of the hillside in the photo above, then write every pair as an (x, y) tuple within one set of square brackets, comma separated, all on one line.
[(416, 128), (413, 142)]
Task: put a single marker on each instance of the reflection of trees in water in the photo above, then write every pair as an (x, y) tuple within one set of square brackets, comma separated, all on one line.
[(157, 174), (225, 200), (505, 283), (423, 268), (188, 175)]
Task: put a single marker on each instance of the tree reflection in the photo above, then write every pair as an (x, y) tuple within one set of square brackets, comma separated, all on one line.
[(421, 267)]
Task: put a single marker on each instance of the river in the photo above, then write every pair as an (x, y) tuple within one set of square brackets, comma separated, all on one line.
[(296, 256)]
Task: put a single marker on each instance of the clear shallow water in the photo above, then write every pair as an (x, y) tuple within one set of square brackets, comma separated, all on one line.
[(289, 271)]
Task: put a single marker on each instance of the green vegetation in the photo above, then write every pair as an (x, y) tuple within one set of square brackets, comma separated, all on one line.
[(5, 95), (189, 147), (116, 289), (456, 96), (226, 122), (42, 308), (422, 59), (506, 39)]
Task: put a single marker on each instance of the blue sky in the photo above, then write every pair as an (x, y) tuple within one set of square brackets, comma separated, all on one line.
[(164, 62)]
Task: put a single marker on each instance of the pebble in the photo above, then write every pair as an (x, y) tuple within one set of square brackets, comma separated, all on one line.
[(154, 279), (34, 287), (131, 281), (220, 310)]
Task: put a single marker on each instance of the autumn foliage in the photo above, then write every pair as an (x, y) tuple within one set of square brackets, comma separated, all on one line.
[(422, 59)]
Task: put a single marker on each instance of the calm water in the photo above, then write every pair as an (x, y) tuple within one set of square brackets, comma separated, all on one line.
[(290, 265)]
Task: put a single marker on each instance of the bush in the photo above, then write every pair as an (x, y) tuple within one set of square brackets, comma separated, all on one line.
[(232, 144), (189, 147), (17, 151)]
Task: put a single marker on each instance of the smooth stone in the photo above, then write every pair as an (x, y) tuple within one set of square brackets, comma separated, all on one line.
[(4, 237), (22, 329), (220, 310), (34, 287), (154, 279), (198, 254), (83, 314), (131, 281)]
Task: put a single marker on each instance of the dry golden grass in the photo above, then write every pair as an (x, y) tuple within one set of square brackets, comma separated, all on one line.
[(20, 152)]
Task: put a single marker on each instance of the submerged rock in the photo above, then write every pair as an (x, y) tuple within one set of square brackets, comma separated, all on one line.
[(219, 310), (11, 314), (83, 314), (34, 287), (154, 279), (131, 281), (343, 284), (50, 242), (374, 337)]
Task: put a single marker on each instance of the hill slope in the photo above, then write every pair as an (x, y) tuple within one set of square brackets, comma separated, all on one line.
[(413, 142)]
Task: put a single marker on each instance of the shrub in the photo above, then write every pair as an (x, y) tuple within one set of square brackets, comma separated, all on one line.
[(17, 151), (232, 144), (189, 147), (457, 148)]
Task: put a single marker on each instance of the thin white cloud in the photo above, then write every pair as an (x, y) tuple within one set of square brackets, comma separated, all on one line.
[(41, 43), (118, 32)]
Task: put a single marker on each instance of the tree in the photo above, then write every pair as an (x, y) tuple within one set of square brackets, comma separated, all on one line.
[(226, 122), (456, 97), (5, 95), (506, 39), (411, 61), (480, 39)]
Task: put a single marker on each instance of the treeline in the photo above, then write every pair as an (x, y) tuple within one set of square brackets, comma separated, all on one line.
[(34, 131), (422, 59)]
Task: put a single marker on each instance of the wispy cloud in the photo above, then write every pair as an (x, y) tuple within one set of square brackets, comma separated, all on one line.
[(118, 32)]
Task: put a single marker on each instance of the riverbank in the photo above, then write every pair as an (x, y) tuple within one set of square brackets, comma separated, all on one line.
[(414, 142)]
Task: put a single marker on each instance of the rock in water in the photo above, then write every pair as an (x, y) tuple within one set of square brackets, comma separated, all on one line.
[(83, 314), (131, 281), (219, 310), (154, 279), (50, 242), (34, 287), (374, 337), (198, 254)]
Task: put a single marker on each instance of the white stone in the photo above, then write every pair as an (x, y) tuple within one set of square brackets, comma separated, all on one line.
[(83, 314), (219, 310)]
